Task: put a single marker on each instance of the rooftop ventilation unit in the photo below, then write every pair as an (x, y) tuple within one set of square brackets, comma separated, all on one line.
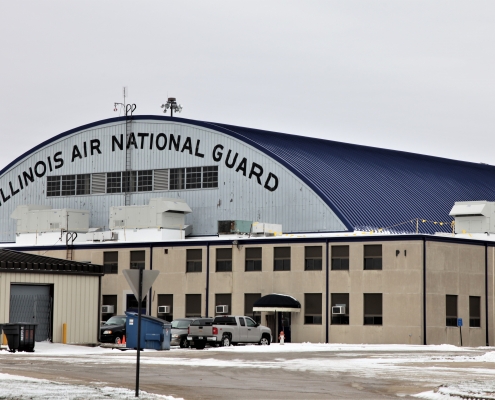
[(35, 218), (474, 216), (241, 227), (166, 213)]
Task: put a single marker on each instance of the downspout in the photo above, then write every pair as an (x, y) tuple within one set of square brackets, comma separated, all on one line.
[(327, 295), (207, 277), (98, 314), (424, 290), (486, 296), (150, 300)]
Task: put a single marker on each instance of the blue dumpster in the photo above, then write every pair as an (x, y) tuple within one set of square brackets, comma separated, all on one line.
[(155, 332)]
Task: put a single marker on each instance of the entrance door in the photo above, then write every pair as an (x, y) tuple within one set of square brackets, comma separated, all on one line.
[(32, 304), (283, 324)]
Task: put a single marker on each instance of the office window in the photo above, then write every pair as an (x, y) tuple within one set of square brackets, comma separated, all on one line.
[(340, 257), (111, 262), (193, 178), (451, 310), (340, 299), (145, 181), (68, 185), (53, 186), (281, 260), (83, 184), (249, 300), (474, 311), (373, 256), (177, 178), (224, 260), (373, 309), (194, 262), (312, 309), (166, 300), (253, 259), (128, 181), (137, 259), (109, 300), (210, 177), (312, 258), (193, 305), (114, 182), (223, 300)]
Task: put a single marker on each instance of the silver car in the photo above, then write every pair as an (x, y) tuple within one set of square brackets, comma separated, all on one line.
[(180, 330)]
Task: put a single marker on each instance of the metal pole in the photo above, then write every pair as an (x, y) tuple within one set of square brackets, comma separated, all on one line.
[(139, 329)]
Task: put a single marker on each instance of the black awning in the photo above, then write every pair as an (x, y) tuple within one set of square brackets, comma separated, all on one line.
[(277, 302)]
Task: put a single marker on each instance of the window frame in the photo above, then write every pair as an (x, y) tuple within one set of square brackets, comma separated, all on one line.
[(194, 265), (339, 262), (311, 260), (313, 317), (474, 320), (255, 261), (373, 319), (223, 264), (281, 262), (110, 266), (373, 262)]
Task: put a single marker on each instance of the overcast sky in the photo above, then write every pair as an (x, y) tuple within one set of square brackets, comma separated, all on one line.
[(416, 76)]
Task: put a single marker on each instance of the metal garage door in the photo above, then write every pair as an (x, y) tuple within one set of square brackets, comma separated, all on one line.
[(32, 304)]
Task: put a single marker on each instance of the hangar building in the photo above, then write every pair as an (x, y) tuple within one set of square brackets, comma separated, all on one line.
[(358, 227)]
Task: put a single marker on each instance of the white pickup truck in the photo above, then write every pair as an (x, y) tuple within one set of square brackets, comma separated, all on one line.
[(227, 330)]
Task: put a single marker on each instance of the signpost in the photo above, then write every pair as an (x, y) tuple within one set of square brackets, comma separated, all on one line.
[(140, 281), (459, 324)]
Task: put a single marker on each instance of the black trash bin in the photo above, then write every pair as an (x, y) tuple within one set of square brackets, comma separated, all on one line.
[(20, 336)]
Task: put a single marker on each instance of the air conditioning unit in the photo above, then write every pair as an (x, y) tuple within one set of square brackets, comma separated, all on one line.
[(222, 309), (107, 309), (340, 309), (163, 309)]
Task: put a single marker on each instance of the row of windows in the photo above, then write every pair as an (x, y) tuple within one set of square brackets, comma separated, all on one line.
[(313, 313), (132, 181), (281, 259)]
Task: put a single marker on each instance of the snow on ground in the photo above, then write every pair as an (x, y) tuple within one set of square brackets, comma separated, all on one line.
[(19, 387), (431, 365)]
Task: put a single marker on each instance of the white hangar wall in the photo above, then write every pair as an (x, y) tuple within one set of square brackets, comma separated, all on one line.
[(292, 203)]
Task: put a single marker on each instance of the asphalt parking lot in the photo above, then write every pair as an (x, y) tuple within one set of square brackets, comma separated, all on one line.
[(262, 372)]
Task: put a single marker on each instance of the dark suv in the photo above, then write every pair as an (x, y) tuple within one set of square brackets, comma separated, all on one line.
[(113, 330)]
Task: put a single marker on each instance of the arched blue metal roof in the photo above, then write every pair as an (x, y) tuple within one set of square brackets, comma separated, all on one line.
[(368, 188)]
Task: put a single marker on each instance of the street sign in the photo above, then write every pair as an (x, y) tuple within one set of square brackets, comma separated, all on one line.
[(459, 322), (132, 276)]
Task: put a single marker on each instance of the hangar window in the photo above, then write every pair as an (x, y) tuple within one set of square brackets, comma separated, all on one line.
[(129, 181), (474, 311), (83, 184), (224, 260), (373, 309), (373, 256), (114, 182), (340, 257), (137, 259), (193, 178), (249, 300), (312, 258), (177, 178), (193, 305), (312, 309), (210, 177), (451, 310), (53, 186), (281, 260), (68, 185), (111, 262), (340, 316), (145, 181), (194, 262)]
